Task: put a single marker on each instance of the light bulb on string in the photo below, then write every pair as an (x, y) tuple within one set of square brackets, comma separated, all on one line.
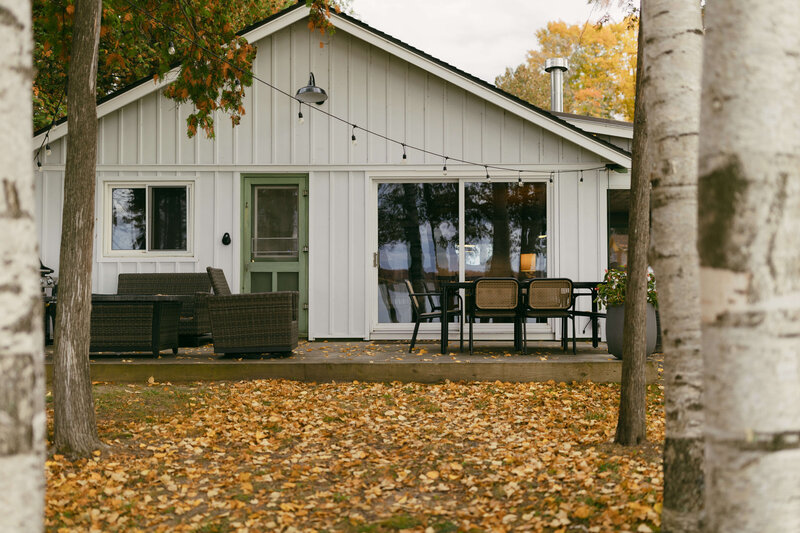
[(47, 150), (551, 177), (519, 183), (171, 49), (353, 136), (444, 166), (300, 118), (39, 165), (581, 176), (405, 159), (488, 177)]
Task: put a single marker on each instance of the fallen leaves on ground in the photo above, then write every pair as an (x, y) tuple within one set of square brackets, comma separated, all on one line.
[(288, 456)]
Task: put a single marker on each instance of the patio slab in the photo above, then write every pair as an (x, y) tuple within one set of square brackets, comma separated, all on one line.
[(323, 361)]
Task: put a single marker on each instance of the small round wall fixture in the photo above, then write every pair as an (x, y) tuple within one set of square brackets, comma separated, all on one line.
[(226, 239), (311, 94)]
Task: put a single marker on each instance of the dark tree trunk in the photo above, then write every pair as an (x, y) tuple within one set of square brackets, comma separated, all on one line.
[(631, 426), (501, 234), (411, 229), (75, 428)]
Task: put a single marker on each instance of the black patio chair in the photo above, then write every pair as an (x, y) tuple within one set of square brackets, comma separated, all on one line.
[(550, 298), (435, 312)]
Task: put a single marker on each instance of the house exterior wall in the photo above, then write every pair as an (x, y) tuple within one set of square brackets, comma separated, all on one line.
[(146, 141)]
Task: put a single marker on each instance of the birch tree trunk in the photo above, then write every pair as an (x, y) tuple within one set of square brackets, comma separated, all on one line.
[(75, 428), (673, 52), (22, 418), (749, 244), (631, 425)]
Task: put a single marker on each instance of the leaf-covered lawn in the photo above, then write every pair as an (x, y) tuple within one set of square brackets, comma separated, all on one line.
[(360, 457)]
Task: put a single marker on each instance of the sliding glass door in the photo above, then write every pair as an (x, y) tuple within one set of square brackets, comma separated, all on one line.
[(423, 226)]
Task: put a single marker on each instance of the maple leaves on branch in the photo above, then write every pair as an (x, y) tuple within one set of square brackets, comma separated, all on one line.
[(149, 38)]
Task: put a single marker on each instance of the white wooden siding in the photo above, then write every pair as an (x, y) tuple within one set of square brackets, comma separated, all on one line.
[(146, 140)]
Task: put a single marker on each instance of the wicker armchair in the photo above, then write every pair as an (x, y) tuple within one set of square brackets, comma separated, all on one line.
[(191, 288), (551, 298), (251, 323), (495, 298)]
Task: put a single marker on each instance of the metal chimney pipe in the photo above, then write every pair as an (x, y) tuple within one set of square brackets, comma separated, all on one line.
[(556, 66)]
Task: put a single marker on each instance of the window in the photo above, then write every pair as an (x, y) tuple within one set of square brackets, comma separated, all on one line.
[(148, 218), (504, 234), (618, 200)]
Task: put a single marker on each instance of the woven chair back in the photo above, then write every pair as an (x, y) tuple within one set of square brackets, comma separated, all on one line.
[(550, 294), (496, 294), (414, 299), (218, 281)]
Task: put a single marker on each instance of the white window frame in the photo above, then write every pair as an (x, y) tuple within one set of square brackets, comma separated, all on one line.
[(147, 185)]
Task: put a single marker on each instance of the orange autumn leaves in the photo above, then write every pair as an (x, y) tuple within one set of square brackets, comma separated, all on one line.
[(281, 455)]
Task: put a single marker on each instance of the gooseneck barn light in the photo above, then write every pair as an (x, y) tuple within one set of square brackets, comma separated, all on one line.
[(311, 94)]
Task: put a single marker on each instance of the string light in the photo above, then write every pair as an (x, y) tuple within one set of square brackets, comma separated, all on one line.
[(223, 60), (47, 150), (581, 176), (405, 159), (39, 165), (171, 49), (300, 118), (519, 183)]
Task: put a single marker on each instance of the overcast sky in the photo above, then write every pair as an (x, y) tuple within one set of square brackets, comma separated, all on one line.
[(480, 37)]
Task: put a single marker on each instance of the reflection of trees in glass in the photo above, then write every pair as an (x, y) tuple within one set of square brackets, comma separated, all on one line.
[(417, 237), (128, 208), (507, 219), (168, 225)]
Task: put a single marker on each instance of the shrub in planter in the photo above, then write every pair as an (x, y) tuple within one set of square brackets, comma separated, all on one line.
[(611, 295)]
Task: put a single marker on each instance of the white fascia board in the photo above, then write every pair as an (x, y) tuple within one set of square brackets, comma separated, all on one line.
[(116, 103), (277, 24), (598, 128), (482, 92)]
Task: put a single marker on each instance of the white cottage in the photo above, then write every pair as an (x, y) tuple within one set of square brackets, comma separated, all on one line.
[(280, 204)]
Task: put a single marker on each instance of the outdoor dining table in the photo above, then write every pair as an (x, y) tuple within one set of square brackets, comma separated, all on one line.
[(594, 314), (448, 288)]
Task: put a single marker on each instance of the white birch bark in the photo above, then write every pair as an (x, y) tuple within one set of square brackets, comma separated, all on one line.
[(749, 244), (673, 47), (22, 417)]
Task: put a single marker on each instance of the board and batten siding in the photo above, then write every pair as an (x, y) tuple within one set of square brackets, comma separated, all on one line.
[(146, 141)]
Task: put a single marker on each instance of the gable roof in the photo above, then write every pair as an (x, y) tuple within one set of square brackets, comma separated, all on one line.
[(343, 22)]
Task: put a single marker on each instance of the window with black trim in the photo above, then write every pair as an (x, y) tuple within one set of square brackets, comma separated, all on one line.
[(149, 218)]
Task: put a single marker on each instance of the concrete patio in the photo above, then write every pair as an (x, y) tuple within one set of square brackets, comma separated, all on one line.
[(324, 361)]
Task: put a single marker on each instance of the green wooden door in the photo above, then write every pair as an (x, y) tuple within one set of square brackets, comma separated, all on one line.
[(275, 237)]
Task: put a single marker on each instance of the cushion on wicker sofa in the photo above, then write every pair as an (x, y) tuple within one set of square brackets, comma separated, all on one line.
[(191, 287)]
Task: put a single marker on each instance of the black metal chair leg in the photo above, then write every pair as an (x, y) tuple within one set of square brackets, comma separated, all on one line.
[(414, 336), (574, 350), (460, 334), (470, 335)]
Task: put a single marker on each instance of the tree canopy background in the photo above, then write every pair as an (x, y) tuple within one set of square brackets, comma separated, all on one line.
[(602, 68)]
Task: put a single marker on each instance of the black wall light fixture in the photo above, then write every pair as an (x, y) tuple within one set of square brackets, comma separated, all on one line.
[(311, 94), (226, 239)]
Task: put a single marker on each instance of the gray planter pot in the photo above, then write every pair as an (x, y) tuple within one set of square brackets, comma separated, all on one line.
[(615, 319)]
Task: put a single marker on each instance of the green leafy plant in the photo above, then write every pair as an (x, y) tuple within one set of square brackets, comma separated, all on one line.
[(615, 282)]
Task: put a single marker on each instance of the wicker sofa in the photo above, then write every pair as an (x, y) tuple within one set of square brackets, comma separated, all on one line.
[(191, 288), (251, 323)]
